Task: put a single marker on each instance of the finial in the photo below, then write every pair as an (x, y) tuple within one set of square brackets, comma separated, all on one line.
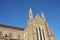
[(37, 15)]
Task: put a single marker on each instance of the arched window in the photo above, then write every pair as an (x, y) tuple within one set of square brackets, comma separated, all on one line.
[(43, 34), (0, 33), (6, 35), (37, 34), (40, 33)]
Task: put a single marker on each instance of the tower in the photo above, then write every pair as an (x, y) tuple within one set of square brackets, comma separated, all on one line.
[(37, 28)]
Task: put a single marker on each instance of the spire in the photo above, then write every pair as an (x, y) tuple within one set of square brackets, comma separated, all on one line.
[(30, 14), (42, 15)]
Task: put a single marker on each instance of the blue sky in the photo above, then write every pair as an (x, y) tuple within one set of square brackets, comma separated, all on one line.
[(15, 12)]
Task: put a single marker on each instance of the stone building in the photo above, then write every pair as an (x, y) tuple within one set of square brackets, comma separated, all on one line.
[(36, 29)]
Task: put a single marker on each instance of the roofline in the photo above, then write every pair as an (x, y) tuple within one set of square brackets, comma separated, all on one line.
[(12, 27)]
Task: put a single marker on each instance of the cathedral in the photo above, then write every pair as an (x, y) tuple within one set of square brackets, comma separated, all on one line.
[(37, 29)]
